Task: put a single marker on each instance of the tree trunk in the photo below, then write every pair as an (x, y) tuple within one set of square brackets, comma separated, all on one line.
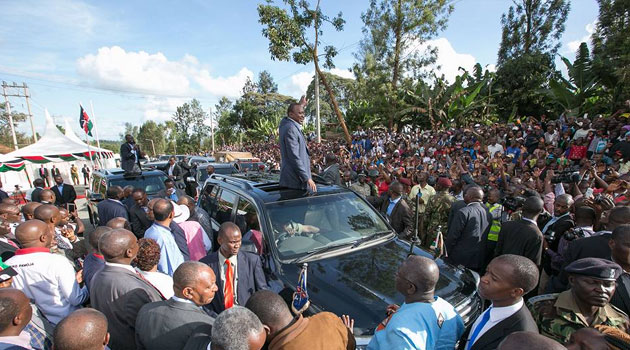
[(342, 122), (397, 33)]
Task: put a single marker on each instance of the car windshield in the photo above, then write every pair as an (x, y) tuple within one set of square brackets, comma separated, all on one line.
[(151, 183), (303, 225)]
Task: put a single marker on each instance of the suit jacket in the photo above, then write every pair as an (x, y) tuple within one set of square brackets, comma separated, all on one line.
[(522, 320), (35, 194), (69, 195), (295, 168), (139, 221), (168, 324), (178, 172), (467, 236), (250, 278), (120, 294), (331, 174), (128, 202), (520, 237), (455, 207), (128, 159), (109, 209), (43, 172), (621, 298), (401, 214), (162, 193), (55, 172)]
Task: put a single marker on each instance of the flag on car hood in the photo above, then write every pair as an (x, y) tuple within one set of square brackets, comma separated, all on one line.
[(300, 297)]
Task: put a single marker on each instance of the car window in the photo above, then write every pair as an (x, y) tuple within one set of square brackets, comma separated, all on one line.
[(305, 224), (152, 184), (225, 205), (248, 222), (202, 172), (208, 198)]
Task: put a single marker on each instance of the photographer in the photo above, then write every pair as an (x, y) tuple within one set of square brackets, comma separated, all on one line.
[(585, 218)]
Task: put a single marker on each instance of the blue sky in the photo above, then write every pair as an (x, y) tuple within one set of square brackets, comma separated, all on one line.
[(138, 60)]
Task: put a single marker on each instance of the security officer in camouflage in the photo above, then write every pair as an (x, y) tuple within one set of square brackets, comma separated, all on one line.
[(586, 304), (436, 212), (373, 174), (362, 187)]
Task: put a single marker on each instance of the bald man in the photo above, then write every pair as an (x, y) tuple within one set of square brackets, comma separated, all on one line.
[(47, 278), (169, 324), (15, 314), (10, 212), (47, 197), (119, 223), (118, 291), (425, 320), (84, 329), (28, 210), (522, 237), (94, 261), (468, 232), (10, 215)]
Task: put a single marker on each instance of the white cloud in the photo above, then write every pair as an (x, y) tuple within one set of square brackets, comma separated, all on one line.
[(300, 81), (574, 45), (160, 109), (344, 73), (448, 60), (224, 86)]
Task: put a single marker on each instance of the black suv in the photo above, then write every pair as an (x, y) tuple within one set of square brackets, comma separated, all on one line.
[(352, 260), (152, 181)]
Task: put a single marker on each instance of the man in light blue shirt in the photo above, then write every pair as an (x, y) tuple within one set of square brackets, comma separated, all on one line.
[(424, 321), (170, 255)]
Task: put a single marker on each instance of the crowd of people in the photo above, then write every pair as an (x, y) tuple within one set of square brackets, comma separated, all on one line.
[(538, 209)]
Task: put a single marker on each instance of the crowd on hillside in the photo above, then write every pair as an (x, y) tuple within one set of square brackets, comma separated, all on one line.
[(538, 209)]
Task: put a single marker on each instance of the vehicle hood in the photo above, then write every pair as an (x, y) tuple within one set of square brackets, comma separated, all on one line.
[(361, 283)]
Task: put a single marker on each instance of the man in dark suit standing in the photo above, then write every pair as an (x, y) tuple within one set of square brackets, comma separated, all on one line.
[(64, 193), (138, 214), (468, 233), (55, 171), (394, 208), (130, 156), (43, 174), (173, 170), (522, 237), (118, 290), (620, 252), (39, 187), (331, 173), (295, 170), (86, 174), (239, 274), (112, 207), (169, 324), (507, 279)]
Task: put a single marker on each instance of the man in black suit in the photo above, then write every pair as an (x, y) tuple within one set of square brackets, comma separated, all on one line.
[(138, 214), (173, 170), (394, 208), (522, 237), (130, 156), (620, 252), (55, 171), (507, 278), (468, 233), (64, 193), (39, 187), (118, 290), (169, 324), (112, 207), (331, 173), (239, 274), (43, 174)]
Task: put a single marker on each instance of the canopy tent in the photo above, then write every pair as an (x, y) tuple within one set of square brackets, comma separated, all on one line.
[(10, 164), (54, 147)]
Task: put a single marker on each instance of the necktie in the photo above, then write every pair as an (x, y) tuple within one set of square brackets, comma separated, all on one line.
[(484, 319), (229, 292)]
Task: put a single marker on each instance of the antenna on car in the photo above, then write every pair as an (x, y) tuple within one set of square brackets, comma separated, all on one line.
[(415, 240)]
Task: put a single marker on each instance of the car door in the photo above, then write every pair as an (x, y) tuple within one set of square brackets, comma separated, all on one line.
[(223, 209)]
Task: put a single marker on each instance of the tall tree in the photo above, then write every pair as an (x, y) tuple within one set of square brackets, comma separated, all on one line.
[(151, 137), (286, 30), (130, 129), (6, 138), (393, 30), (190, 126), (266, 84), (532, 26), (611, 48)]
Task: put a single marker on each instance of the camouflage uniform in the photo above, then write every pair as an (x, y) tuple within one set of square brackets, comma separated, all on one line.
[(558, 316), (362, 189), (436, 214)]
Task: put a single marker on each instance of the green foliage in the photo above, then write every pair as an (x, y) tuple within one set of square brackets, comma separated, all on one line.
[(611, 49), (130, 129), (190, 126), (532, 26), (266, 84), (343, 89), (152, 135), (5, 128)]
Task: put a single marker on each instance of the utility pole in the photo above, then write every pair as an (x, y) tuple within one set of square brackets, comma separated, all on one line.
[(211, 128), (8, 109), (318, 122), (152, 146), (30, 115)]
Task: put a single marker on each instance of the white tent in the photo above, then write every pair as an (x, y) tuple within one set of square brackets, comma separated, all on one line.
[(58, 148)]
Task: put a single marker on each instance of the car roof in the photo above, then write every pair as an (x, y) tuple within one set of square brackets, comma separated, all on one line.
[(269, 191), (216, 165), (118, 173)]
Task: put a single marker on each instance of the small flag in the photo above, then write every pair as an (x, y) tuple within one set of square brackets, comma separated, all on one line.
[(85, 122), (300, 297), (6, 271)]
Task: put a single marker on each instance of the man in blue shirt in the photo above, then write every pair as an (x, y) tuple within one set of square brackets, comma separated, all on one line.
[(170, 255), (424, 321)]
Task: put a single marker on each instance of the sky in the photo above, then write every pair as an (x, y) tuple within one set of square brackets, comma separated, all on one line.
[(138, 60)]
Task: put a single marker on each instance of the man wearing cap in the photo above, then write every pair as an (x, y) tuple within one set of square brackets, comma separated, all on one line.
[(437, 211), (586, 304)]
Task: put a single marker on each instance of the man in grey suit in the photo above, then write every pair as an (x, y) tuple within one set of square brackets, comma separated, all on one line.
[(169, 324), (467, 234), (118, 291), (295, 169), (331, 173)]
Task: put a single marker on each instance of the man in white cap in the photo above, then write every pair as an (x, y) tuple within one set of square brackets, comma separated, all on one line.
[(198, 241)]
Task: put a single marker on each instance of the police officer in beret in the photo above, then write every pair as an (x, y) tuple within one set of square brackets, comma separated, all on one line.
[(586, 304)]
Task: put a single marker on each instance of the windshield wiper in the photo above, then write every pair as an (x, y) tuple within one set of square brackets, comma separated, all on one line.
[(368, 238), (319, 250)]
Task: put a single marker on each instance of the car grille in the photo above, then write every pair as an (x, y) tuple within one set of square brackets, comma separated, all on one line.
[(470, 308)]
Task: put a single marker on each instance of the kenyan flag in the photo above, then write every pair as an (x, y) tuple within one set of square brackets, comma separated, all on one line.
[(85, 122)]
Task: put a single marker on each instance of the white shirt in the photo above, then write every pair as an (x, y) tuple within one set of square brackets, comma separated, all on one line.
[(170, 170), (48, 279), (497, 314), (161, 281), (496, 148), (233, 260), (122, 266)]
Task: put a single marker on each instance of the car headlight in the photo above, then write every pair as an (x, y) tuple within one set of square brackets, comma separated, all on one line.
[(362, 342)]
